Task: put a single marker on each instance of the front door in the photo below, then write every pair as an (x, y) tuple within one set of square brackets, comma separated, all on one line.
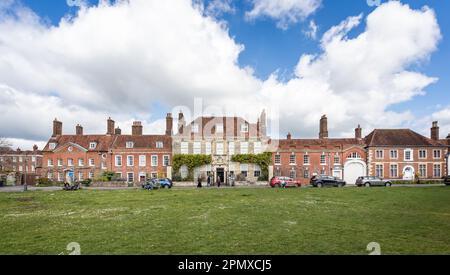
[(408, 173), (221, 174)]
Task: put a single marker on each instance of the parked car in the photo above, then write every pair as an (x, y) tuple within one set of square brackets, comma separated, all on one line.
[(324, 181), (372, 181), (152, 184), (284, 182), (447, 180)]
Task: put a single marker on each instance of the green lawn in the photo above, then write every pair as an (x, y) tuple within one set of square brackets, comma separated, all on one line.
[(228, 221)]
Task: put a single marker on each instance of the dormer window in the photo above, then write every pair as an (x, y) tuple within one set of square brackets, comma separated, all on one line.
[(159, 145), (129, 145), (92, 145), (52, 146)]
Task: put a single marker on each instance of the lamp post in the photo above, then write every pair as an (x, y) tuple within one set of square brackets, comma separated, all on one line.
[(25, 185)]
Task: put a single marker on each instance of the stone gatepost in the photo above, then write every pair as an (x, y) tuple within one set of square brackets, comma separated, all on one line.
[(270, 172)]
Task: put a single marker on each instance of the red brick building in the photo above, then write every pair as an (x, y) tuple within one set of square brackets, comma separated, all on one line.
[(137, 157), (302, 158), (77, 157), (402, 154), (25, 165)]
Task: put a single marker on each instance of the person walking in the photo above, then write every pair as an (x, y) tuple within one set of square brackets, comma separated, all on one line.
[(208, 181), (199, 182)]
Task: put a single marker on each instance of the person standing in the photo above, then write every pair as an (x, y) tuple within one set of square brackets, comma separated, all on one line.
[(199, 182), (219, 182), (208, 181)]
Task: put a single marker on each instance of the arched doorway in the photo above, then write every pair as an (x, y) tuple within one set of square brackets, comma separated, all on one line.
[(353, 169), (408, 173)]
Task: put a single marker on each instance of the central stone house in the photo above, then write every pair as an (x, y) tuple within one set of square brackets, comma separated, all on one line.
[(221, 138)]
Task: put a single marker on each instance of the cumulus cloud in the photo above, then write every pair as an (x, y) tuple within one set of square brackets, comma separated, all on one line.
[(312, 30), (286, 12), (123, 59)]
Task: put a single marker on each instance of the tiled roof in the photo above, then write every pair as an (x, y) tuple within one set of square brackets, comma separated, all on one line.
[(398, 137), (145, 141), (104, 142), (331, 142)]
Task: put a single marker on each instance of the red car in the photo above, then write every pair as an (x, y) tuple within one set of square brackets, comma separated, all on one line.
[(284, 182)]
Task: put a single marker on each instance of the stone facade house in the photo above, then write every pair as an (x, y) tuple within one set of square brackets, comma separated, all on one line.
[(221, 137)]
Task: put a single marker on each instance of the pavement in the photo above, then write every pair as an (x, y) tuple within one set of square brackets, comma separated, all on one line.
[(16, 189)]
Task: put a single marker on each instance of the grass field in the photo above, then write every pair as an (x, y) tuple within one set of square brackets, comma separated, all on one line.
[(228, 221)]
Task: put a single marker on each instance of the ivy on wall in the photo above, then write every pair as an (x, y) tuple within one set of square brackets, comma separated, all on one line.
[(191, 162), (263, 160)]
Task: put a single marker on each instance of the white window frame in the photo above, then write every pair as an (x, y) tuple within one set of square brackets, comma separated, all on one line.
[(118, 161), (231, 148), (434, 170), (420, 154), (129, 145), (128, 177), (411, 152), (423, 165), (154, 160), (184, 147), (391, 154), (60, 162), (70, 162), (244, 148), (92, 145), (244, 128), (80, 162), (208, 148), (197, 148), (277, 159), (377, 156), (306, 159), (323, 159), (159, 145), (292, 159), (391, 169), (377, 174), (434, 154), (142, 160), (52, 146), (50, 162), (130, 161), (219, 148), (91, 162), (91, 175), (195, 128), (166, 160)]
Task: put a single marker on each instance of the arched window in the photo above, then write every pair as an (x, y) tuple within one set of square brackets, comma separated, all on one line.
[(354, 155)]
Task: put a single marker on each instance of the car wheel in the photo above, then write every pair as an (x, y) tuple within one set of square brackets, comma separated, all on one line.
[(340, 185), (367, 184), (388, 184), (319, 185)]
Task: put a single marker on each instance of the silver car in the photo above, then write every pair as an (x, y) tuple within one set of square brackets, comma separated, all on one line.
[(372, 181)]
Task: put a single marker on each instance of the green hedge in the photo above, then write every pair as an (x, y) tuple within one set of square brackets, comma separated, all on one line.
[(421, 182)]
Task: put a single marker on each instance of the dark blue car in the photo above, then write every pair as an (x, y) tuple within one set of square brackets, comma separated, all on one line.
[(152, 184)]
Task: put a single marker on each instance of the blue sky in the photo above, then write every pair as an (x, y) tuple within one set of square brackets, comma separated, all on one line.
[(268, 48), (138, 88)]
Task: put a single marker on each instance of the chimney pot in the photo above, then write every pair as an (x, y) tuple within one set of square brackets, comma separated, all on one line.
[(358, 132), (79, 130), (435, 131), (110, 126), (137, 129), (169, 124), (323, 134), (289, 136), (57, 128), (118, 131)]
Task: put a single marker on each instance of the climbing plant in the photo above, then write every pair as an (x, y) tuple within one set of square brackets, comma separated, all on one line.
[(262, 160), (191, 162)]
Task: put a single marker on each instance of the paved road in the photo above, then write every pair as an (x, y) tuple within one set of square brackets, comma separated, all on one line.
[(13, 189)]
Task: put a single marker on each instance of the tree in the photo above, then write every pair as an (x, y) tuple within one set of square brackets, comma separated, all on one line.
[(5, 144)]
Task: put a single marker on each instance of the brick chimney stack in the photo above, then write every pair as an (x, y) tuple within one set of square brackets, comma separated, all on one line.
[(358, 132), (118, 131), (323, 127), (57, 128), (289, 136), (110, 127), (181, 123), (262, 123), (137, 129), (169, 124), (435, 131), (35, 148), (79, 130)]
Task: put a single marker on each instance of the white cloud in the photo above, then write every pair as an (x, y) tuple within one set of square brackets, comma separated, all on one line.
[(119, 60), (286, 12), (219, 7)]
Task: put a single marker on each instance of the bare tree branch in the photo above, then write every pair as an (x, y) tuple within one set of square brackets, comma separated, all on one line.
[(4, 143)]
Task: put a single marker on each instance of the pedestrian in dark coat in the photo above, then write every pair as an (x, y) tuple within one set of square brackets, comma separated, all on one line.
[(219, 182), (199, 182), (208, 181)]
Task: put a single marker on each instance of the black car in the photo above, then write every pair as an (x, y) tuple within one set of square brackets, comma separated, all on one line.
[(447, 180), (327, 181)]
